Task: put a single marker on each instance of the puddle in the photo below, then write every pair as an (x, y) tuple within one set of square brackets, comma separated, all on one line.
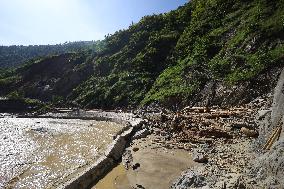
[(38, 153)]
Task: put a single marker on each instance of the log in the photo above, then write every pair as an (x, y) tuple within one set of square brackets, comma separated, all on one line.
[(275, 136)]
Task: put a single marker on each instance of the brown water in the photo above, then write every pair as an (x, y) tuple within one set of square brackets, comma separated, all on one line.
[(40, 153), (159, 167)]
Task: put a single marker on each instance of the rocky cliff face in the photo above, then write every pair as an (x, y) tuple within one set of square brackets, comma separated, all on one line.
[(269, 166), (222, 94)]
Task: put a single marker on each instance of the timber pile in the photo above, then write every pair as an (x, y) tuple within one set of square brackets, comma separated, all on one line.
[(204, 125)]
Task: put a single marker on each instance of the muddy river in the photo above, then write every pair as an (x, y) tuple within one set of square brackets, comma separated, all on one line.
[(40, 153)]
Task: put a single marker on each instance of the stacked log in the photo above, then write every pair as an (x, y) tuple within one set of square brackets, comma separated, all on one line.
[(204, 124)]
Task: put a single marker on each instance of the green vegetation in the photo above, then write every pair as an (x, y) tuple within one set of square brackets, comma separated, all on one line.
[(168, 58), (11, 56), (8, 80)]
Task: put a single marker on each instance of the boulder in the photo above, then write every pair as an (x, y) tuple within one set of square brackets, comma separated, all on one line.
[(262, 113), (135, 149), (136, 166), (270, 166), (199, 157), (249, 132), (189, 179), (139, 186)]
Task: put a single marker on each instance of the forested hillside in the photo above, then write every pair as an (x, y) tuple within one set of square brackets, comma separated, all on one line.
[(11, 56), (207, 51)]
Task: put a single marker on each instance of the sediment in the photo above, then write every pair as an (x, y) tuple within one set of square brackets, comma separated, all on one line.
[(232, 147), (112, 155)]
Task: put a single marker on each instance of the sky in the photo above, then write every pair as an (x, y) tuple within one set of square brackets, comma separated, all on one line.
[(35, 22)]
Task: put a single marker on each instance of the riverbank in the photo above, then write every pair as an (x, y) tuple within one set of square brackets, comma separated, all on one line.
[(152, 165), (209, 147), (198, 147), (146, 163)]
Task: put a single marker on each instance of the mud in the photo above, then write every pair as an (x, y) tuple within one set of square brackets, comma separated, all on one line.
[(117, 178)]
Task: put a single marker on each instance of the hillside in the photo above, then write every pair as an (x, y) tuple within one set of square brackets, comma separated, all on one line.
[(11, 56), (216, 52), (47, 80), (174, 58), (205, 86)]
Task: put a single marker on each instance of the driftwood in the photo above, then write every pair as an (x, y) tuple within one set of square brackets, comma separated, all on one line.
[(217, 133), (275, 136), (203, 124), (215, 113)]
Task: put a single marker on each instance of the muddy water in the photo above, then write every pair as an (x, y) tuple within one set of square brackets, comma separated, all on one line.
[(40, 153)]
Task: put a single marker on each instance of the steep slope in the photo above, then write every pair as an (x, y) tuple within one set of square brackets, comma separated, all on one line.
[(49, 79), (132, 61), (206, 51), (216, 52), (227, 43)]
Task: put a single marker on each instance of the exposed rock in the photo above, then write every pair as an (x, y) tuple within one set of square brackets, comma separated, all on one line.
[(249, 132), (263, 113), (270, 167), (135, 149), (209, 129), (233, 181), (225, 95), (199, 157), (139, 186), (141, 134), (189, 179), (136, 166), (40, 130)]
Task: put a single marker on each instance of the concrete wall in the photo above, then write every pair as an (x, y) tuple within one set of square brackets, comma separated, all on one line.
[(102, 166)]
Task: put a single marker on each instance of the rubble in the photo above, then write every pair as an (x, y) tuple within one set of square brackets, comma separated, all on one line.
[(204, 124), (249, 133), (219, 140), (199, 157), (141, 134), (189, 179)]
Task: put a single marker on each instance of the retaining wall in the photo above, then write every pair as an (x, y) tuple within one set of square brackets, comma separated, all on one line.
[(103, 165)]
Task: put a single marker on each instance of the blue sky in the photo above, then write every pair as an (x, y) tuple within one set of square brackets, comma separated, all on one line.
[(25, 22)]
